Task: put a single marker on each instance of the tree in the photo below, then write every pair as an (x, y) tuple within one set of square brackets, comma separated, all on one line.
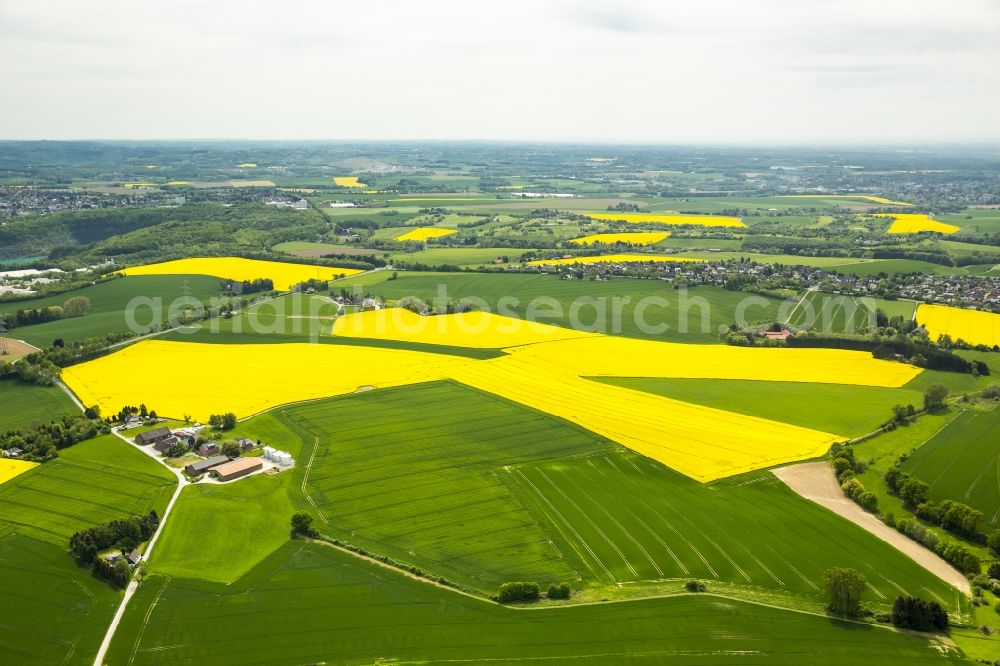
[(919, 614), (77, 306), (843, 589), (560, 591), (228, 421), (934, 396), (92, 412), (231, 448), (302, 523), (515, 591), (993, 541), (994, 571), (914, 492)]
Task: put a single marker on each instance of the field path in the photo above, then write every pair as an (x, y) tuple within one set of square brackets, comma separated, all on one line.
[(816, 481), (133, 584)]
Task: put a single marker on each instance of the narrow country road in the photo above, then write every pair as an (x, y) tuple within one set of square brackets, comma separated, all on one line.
[(134, 585), (816, 482)]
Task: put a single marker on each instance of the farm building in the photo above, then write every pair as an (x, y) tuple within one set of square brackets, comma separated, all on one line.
[(208, 449), (164, 445), (237, 468), (134, 557), (153, 436), (246, 444), (202, 466)]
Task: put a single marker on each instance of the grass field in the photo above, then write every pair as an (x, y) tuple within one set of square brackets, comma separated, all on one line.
[(353, 612), (212, 532), (845, 314), (962, 463), (24, 404), (692, 315), (53, 611), (89, 483), (816, 406), (534, 497), (110, 312)]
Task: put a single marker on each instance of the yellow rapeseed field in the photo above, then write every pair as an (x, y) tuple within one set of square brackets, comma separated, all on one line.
[(701, 442), (615, 356), (425, 233), (203, 379), (977, 328), (544, 369), (10, 468), (178, 183), (635, 238), (866, 197), (347, 181), (613, 259), (247, 165), (237, 268), (913, 223), (700, 220), (468, 329)]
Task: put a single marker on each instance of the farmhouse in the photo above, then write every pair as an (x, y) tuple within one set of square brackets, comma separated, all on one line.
[(208, 449), (783, 334), (152, 436), (164, 446), (202, 466), (237, 468)]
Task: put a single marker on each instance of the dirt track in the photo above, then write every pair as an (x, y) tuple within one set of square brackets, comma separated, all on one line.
[(815, 481)]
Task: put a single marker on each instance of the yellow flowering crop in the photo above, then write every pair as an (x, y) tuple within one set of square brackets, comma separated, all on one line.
[(177, 183), (347, 181), (701, 442), (613, 259), (913, 223), (425, 233), (543, 369), (636, 238), (865, 197), (247, 165), (700, 220), (615, 356), (468, 329), (283, 275), (976, 328), (9, 468), (177, 378)]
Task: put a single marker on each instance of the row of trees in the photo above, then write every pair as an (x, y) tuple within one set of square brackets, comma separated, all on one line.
[(953, 516), (126, 534), (41, 442), (75, 306)]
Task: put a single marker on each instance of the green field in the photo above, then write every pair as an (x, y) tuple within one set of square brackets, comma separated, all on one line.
[(222, 531), (89, 483), (24, 404), (837, 313), (313, 604), (513, 494), (694, 315), (962, 462), (817, 406), (110, 310), (53, 611)]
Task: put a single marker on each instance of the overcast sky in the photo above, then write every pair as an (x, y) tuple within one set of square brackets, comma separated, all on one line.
[(681, 71)]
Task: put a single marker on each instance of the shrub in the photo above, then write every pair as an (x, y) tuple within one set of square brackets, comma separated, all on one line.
[(560, 591), (695, 586), (514, 592), (919, 614)]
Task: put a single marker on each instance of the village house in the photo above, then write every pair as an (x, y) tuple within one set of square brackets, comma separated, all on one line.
[(153, 436), (208, 449)]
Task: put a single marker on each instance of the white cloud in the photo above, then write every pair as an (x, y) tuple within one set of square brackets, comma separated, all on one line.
[(788, 71)]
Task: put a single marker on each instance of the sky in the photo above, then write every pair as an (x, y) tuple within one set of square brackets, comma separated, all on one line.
[(785, 72)]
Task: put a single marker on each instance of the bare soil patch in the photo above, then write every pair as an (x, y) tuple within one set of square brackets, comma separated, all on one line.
[(816, 482), (15, 349)]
